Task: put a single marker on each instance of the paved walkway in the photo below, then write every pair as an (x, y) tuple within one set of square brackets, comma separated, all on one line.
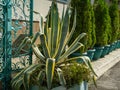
[(110, 80)]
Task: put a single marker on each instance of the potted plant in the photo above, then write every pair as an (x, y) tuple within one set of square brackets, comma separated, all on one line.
[(102, 21), (53, 56), (91, 50), (85, 23)]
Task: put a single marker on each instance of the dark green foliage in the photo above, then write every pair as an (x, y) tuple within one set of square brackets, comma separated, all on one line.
[(102, 21), (114, 14), (93, 34), (85, 21)]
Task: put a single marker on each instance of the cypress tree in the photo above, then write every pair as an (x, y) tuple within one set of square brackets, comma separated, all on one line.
[(93, 34), (102, 21), (114, 14), (85, 21)]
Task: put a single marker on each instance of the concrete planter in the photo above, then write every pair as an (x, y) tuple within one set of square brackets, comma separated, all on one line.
[(90, 53), (76, 54), (105, 50), (82, 86), (118, 43), (117, 46), (98, 52), (111, 48)]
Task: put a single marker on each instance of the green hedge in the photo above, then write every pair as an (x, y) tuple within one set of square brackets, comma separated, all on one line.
[(85, 21)]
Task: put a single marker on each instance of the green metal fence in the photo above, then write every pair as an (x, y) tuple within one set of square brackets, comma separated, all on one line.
[(16, 22)]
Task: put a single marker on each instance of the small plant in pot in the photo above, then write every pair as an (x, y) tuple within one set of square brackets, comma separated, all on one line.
[(102, 21), (53, 61)]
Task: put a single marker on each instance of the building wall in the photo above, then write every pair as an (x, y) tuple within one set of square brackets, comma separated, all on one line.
[(42, 6)]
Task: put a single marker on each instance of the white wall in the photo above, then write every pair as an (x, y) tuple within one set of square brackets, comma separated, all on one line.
[(42, 6)]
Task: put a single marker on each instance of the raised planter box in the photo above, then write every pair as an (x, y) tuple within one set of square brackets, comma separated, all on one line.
[(76, 54), (98, 52), (82, 86), (90, 53), (105, 50)]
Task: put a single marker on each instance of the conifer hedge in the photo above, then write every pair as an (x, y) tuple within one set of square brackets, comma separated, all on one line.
[(114, 14), (85, 21), (102, 22)]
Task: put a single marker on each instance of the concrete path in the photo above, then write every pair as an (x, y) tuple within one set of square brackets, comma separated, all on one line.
[(110, 80)]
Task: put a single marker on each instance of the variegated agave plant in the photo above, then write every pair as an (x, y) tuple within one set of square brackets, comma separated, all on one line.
[(54, 37)]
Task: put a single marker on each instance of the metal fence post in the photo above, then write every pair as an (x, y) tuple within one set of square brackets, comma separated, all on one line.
[(7, 46), (31, 28)]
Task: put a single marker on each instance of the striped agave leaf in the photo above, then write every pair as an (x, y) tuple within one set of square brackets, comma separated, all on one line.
[(40, 77), (73, 47), (38, 53), (50, 68), (19, 77), (61, 77), (27, 76), (64, 31), (18, 84), (54, 22), (45, 46)]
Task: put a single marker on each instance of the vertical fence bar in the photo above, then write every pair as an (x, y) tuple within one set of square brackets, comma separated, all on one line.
[(31, 28), (7, 46)]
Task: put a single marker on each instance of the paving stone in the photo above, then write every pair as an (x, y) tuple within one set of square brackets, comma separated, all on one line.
[(110, 80)]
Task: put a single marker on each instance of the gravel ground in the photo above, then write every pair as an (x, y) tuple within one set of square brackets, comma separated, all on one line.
[(109, 80)]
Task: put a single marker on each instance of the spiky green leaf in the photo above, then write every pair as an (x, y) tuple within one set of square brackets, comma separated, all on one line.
[(94, 81), (63, 12), (54, 28), (70, 50), (16, 78), (49, 39), (27, 75), (38, 53), (61, 77), (18, 84), (41, 76), (50, 66), (23, 43), (64, 32), (35, 38), (73, 28), (45, 46)]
